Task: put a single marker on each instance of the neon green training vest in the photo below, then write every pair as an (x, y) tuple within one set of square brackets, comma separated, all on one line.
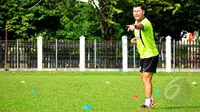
[(147, 48)]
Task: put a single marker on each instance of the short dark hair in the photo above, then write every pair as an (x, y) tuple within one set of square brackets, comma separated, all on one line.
[(139, 5)]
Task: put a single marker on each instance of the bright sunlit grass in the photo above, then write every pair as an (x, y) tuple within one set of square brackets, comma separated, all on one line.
[(103, 91)]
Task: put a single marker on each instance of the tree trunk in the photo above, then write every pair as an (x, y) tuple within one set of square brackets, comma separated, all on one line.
[(106, 31)]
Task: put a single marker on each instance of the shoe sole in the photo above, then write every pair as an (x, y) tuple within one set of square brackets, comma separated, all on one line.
[(149, 108), (153, 105)]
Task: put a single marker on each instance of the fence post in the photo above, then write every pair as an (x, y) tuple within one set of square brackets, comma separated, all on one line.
[(168, 54), (39, 53), (125, 53), (82, 53)]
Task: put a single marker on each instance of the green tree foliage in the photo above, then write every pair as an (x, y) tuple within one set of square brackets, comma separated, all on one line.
[(105, 11), (49, 18), (20, 18), (125, 18), (170, 17), (70, 19), (14, 18), (77, 19)]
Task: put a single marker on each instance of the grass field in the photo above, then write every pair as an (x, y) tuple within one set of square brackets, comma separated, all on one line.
[(103, 91)]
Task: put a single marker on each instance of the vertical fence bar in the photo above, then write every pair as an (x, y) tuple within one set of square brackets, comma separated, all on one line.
[(189, 55), (180, 56), (95, 54), (56, 54), (174, 54), (134, 57), (198, 54), (193, 52), (17, 54), (88, 54), (195, 47)]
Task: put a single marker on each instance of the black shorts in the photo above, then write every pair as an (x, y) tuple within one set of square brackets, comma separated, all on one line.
[(149, 64)]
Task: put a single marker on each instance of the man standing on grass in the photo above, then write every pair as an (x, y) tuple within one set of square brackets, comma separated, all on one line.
[(144, 38)]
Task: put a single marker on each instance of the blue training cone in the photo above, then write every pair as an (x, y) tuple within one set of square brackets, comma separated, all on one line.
[(34, 91), (157, 92), (87, 107)]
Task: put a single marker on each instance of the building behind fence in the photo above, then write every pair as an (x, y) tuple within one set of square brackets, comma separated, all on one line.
[(95, 55)]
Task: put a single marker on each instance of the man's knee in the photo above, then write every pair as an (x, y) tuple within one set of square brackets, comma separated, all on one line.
[(147, 75)]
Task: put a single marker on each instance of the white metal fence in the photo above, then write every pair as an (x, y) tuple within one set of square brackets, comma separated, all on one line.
[(94, 55)]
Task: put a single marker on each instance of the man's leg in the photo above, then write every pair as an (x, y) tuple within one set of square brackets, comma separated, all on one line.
[(146, 79), (148, 67)]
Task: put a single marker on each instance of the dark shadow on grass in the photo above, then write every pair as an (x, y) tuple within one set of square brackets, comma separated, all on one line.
[(179, 107)]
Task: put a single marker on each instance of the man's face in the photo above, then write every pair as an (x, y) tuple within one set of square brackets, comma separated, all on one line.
[(138, 13)]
